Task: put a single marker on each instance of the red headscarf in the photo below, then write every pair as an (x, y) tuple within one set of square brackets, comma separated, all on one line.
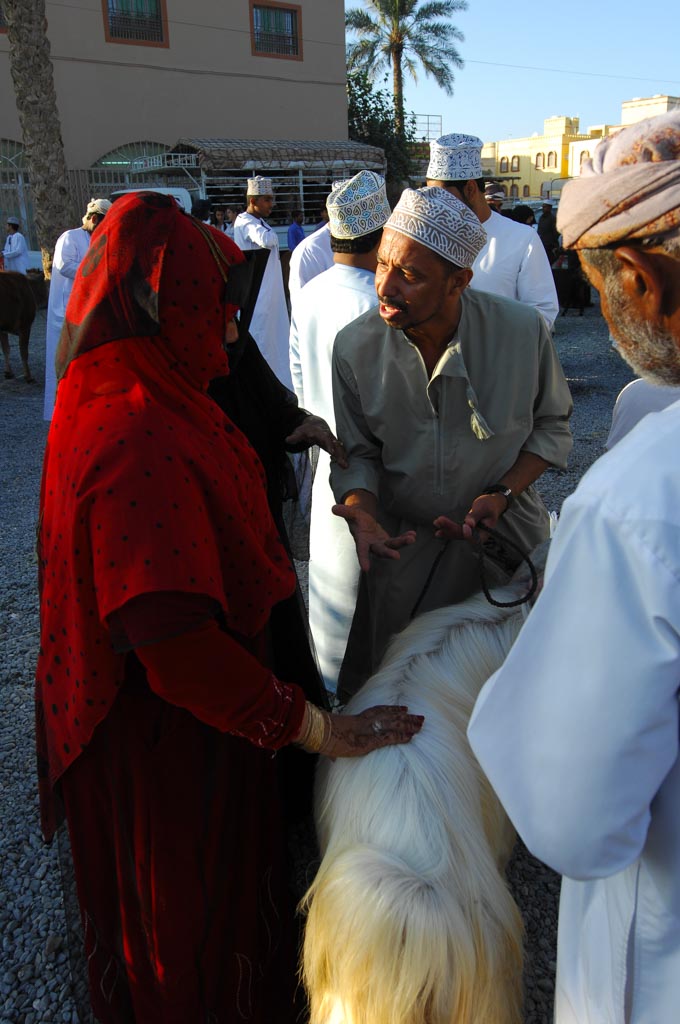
[(147, 486)]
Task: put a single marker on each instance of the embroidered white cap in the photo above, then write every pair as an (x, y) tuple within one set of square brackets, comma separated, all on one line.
[(455, 158), (259, 186), (358, 206), (436, 219)]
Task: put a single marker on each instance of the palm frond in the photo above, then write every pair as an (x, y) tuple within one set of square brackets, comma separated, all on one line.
[(360, 22), (366, 56)]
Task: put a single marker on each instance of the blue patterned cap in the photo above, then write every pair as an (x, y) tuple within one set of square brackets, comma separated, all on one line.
[(358, 206), (435, 218), (455, 158)]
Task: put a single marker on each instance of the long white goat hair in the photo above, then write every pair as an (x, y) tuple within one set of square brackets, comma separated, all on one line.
[(410, 920)]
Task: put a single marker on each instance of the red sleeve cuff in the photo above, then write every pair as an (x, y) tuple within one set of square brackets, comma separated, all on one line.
[(210, 674)]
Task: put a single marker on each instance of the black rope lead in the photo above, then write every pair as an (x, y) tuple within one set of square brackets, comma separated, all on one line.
[(483, 548)]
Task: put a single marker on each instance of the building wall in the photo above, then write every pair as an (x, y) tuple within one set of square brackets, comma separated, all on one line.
[(638, 109), (561, 136), (530, 180), (204, 83)]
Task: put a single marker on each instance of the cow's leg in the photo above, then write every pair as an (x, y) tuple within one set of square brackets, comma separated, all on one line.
[(4, 341), (24, 338)]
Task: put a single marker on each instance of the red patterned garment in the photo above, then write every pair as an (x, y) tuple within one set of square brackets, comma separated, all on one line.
[(147, 487), (162, 584)]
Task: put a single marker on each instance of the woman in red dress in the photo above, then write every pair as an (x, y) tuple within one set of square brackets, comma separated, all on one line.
[(158, 715)]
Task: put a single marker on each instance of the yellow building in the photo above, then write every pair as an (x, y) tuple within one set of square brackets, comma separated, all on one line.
[(537, 166), (531, 167)]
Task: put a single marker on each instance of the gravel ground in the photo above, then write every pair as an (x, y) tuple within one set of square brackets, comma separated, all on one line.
[(34, 977)]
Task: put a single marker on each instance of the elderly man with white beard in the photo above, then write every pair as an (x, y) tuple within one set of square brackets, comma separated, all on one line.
[(578, 732)]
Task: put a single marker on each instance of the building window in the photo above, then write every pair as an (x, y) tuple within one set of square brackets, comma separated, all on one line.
[(142, 22), (585, 155), (525, 191), (552, 159), (540, 161), (514, 163), (514, 191), (276, 30), (504, 165)]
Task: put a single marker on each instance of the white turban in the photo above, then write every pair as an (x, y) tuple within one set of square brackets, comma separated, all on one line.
[(629, 190), (100, 206), (436, 219)]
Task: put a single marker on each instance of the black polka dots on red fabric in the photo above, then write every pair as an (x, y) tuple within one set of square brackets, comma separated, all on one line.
[(139, 486)]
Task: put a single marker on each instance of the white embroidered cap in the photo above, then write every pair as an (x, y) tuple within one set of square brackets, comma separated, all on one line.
[(358, 206), (14, 221), (259, 186), (436, 219), (455, 158)]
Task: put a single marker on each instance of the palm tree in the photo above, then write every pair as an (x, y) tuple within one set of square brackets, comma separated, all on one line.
[(402, 34), (33, 78)]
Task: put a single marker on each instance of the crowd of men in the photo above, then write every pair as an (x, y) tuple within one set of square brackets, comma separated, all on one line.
[(422, 335), (444, 385)]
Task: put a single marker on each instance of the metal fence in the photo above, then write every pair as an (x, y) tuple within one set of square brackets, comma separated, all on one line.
[(16, 196)]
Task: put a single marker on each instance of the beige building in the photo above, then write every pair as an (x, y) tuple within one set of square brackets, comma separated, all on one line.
[(537, 166), (134, 77)]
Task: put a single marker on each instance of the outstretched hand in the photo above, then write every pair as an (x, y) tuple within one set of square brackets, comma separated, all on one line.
[(370, 537), (314, 430), (381, 726), (485, 510)]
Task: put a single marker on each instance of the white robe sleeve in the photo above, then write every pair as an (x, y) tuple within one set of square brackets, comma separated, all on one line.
[(579, 728), (259, 234), (535, 282), (296, 362), (67, 255)]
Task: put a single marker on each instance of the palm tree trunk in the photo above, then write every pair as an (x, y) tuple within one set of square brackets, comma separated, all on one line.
[(398, 90), (36, 101)]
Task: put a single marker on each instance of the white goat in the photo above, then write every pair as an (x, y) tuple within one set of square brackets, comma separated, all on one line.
[(410, 920)]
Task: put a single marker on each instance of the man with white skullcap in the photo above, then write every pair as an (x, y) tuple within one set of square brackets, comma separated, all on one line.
[(270, 325), (68, 255), (15, 253), (578, 732), (513, 261), (450, 402), (357, 211)]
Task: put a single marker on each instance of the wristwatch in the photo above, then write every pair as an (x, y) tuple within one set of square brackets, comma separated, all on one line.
[(501, 489)]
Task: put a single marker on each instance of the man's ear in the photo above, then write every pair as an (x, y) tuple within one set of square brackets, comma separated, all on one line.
[(460, 278), (643, 280)]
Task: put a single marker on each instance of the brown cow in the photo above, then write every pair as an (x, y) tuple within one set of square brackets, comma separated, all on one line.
[(20, 297)]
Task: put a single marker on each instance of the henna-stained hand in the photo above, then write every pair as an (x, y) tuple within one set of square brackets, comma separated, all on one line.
[(314, 430), (381, 726)]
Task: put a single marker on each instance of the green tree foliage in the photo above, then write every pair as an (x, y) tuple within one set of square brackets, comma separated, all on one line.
[(371, 120), (403, 35)]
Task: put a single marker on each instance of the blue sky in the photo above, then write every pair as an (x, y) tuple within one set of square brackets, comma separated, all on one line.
[(596, 54)]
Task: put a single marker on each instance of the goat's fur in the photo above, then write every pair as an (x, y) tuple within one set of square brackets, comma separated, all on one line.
[(410, 920)]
